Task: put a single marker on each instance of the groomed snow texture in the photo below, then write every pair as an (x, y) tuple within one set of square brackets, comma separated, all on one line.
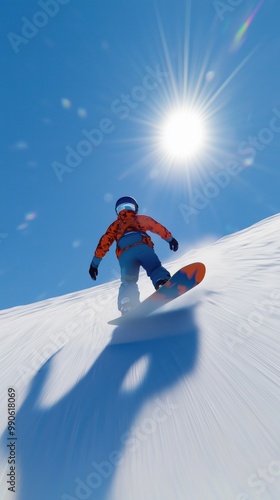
[(191, 412)]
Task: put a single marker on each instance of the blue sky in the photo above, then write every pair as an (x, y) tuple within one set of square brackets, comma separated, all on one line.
[(116, 70)]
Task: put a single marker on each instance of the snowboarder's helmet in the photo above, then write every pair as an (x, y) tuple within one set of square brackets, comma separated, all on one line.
[(126, 203)]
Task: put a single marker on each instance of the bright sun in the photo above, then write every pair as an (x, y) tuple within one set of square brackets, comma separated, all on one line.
[(183, 135)]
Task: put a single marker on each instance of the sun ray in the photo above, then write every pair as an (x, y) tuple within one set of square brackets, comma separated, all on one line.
[(185, 68), (210, 100)]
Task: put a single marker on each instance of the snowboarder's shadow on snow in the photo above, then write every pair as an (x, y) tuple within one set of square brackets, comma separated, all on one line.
[(61, 448), (158, 326)]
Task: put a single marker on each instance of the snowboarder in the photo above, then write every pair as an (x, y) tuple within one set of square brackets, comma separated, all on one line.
[(134, 248)]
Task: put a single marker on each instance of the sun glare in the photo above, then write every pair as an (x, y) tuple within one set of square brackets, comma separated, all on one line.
[(183, 135), (183, 131)]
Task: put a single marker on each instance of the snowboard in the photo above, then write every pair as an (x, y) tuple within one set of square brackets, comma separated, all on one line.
[(181, 282)]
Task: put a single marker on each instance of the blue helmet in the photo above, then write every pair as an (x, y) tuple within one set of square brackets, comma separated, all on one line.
[(126, 203)]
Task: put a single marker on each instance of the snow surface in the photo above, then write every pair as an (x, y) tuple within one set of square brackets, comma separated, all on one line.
[(194, 415)]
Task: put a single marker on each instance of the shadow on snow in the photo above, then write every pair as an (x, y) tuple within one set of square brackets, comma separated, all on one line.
[(70, 451)]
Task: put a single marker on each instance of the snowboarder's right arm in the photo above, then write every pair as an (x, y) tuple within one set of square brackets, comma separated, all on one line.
[(102, 248), (106, 241)]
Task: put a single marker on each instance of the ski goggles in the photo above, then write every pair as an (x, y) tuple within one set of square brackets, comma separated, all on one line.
[(125, 206)]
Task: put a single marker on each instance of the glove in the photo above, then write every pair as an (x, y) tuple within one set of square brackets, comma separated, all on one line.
[(93, 271), (174, 245)]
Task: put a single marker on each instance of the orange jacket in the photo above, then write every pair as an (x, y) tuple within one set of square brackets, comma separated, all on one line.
[(129, 221)]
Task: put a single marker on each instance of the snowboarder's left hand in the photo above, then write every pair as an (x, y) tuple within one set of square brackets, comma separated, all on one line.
[(93, 271), (174, 245)]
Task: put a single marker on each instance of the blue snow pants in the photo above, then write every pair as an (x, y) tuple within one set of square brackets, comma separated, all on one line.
[(130, 261)]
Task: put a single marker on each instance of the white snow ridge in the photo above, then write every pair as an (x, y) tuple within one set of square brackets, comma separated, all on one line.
[(194, 415)]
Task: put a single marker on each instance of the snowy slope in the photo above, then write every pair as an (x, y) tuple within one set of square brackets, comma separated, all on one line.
[(195, 415)]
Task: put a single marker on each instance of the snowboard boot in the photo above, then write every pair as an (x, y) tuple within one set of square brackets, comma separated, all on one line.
[(160, 283), (125, 306)]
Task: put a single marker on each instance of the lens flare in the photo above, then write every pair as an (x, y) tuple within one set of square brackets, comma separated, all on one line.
[(21, 145), (210, 76), (66, 103), (30, 216), (23, 226), (82, 113), (242, 30), (76, 243)]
